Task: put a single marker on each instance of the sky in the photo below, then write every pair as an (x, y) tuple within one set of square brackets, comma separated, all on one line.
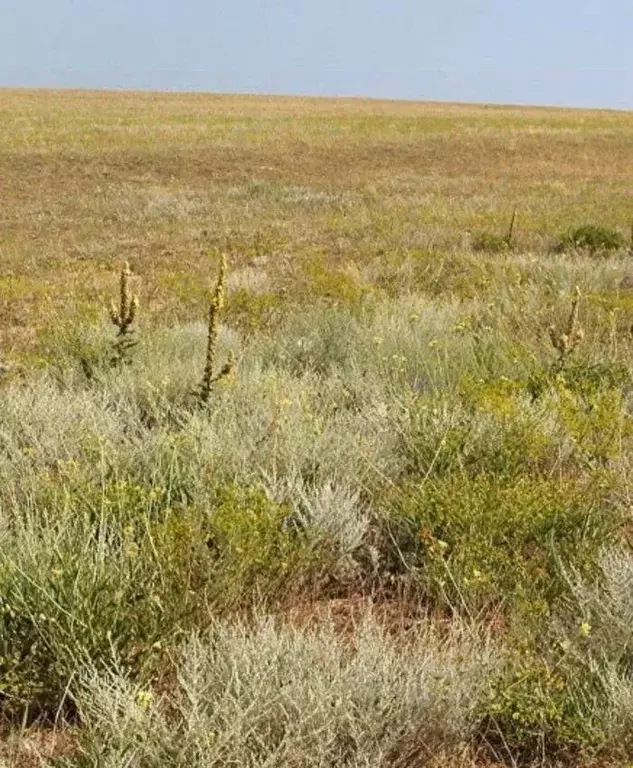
[(557, 52)]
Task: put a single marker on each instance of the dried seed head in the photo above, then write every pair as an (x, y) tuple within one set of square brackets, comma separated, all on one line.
[(229, 368), (566, 342), (513, 222), (216, 305), (114, 313), (133, 309), (220, 288), (125, 276)]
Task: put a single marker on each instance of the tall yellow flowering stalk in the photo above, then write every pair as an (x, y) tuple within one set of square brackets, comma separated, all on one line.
[(124, 315), (215, 309), (566, 342)]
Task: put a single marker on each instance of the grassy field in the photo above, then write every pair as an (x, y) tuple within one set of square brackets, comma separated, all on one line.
[(399, 533), (361, 187)]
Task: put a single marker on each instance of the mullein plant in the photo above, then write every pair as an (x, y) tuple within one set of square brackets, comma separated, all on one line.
[(216, 306), (565, 342), (510, 236), (123, 318)]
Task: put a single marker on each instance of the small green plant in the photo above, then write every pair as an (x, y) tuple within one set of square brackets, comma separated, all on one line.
[(588, 381), (492, 243), (591, 238), (215, 310), (546, 701), (335, 286), (123, 318), (260, 550), (255, 311), (490, 542), (488, 429)]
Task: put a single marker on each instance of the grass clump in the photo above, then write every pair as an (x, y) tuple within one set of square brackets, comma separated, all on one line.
[(488, 242), (336, 287), (492, 543), (112, 575), (592, 238), (71, 591)]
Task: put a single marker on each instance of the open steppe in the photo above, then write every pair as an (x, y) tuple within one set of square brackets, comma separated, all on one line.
[(399, 533)]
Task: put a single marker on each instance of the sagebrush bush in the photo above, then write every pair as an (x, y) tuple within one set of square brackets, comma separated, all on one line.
[(273, 695), (606, 604)]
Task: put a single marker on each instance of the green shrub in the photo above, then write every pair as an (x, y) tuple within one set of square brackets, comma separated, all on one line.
[(255, 311), (582, 378), (547, 702), (73, 592), (592, 238), (576, 418), (242, 550), (488, 242), (339, 288), (490, 428), (111, 575), (589, 404), (260, 550), (596, 425), (493, 541)]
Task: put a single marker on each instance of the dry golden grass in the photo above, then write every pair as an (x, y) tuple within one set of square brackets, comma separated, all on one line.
[(88, 179), (34, 746)]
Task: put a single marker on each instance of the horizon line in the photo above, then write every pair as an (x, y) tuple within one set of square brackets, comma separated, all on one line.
[(167, 91)]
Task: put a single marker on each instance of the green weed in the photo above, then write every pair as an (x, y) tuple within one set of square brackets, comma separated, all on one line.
[(594, 239), (548, 702), (491, 542)]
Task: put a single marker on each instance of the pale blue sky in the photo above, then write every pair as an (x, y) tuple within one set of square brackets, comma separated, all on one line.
[(567, 52)]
